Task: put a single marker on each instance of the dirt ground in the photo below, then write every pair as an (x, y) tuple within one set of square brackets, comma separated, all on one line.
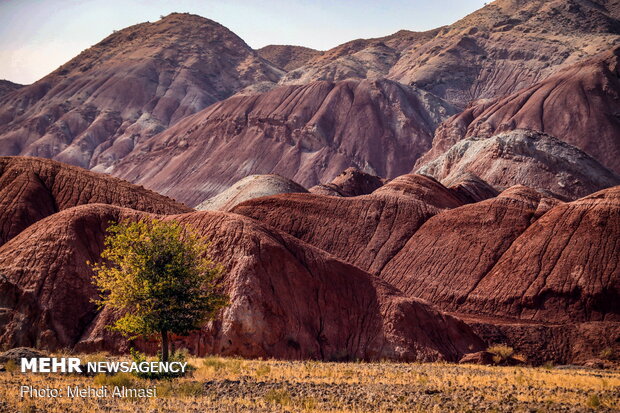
[(237, 385)]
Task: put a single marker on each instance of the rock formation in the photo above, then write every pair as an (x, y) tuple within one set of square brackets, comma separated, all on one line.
[(7, 87), (287, 57), (33, 188), (351, 182), (579, 105), (288, 299), (366, 231), (527, 158), (499, 49), (253, 186), (135, 83), (309, 134)]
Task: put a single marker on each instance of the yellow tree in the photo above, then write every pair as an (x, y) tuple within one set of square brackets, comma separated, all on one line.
[(160, 277)]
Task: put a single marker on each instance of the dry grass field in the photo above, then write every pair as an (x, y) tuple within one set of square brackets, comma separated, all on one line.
[(236, 385)]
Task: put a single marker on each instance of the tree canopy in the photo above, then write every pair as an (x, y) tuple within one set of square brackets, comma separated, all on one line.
[(159, 274)]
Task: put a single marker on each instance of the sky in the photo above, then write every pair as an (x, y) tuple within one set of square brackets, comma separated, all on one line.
[(37, 36)]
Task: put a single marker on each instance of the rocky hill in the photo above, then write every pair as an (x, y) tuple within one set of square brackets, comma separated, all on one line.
[(33, 188), (579, 105), (503, 47), (7, 87), (288, 300), (94, 109), (253, 186), (288, 57), (527, 158), (309, 134), (351, 182)]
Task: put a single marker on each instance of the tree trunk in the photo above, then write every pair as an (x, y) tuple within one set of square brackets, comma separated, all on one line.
[(164, 346)]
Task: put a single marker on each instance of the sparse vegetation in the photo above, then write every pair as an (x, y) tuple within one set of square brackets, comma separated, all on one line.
[(606, 354), (501, 353), (239, 385)]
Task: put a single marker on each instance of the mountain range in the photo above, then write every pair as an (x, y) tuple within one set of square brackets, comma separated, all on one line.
[(417, 196)]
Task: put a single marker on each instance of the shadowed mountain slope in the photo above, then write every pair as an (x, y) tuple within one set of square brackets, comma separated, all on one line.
[(33, 188)]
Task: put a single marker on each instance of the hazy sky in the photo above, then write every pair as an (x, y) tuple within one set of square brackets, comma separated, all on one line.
[(37, 36)]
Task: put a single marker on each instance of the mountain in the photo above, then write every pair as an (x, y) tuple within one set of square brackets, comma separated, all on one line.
[(253, 186), (7, 87), (503, 47), (580, 105), (288, 300), (309, 134), (530, 263), (358, 59), (135, 83), (515, 266), (527, 158), (366, 231), (33, 188), (287, 57), (351, 182)]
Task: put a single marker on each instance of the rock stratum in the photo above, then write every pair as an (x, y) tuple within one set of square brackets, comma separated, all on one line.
[(253, 186), (288, 299), (579, 105), (33, 188), (527, 158), (309, 134), (94, 109)]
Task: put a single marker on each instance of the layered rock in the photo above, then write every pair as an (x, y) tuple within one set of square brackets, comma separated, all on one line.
[(527, 158), (288, 57), (253, 186), (366, 231), (33, 188), (564, 267), (451, 252), (469, 188), (351, 182), (306, 133), (288, 299), (503, 47), (578, 105), (135, 83), (7, 87), (518, 257)]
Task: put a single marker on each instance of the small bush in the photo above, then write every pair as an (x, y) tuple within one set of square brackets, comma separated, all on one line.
[(594, 401), (606, 354), (119, 379), (501, 353), (11, 366)]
